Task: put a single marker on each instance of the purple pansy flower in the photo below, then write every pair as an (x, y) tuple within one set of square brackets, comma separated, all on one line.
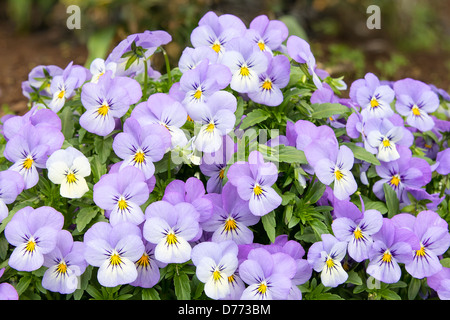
[(443, 162), (171, 227), (407, 171), (121, 194), (200, 83), (33, 232), (216, 118), (114, 249), (162, 109), (140, 146), (39, 80), (29, 150), (325, 257), (416, 100), (271, 81), (440, 282), (63, 86), (11, 185), (231, 217), (333, 165), (390, 248), (432, 240), (300, 51), (356, 228), (192, 191), (215, 264), (216, 31), (107, 100), (98, 68), (268, 275), (373, 97), (254, 180), (65, 264), (267, 34), (246, 63)]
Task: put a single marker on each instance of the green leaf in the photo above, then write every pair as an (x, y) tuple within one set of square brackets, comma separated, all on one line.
[(182, 286), (362, 154), (269, 225), (314, 193), (67, 122), (392, 202), (354, 278), (445, 262), (326, 110), (103, 147), (23, 284), (254, 117), (150, 294), (290, 154), (84, 216), (413, 288), (389, 295), (319, 228)]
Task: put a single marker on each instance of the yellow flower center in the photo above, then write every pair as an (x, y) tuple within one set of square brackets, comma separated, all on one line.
[(144, 261), (231, 278), (61, 94), (261, 45), (262, 288), (216, 275), (222, 173), (386, 143), (122, 203), (71, 178), (198, 94), (329, 263), (189, 119), (103, 110), (374, 103), (358, 234), (387, 257), (115, 260), (61, 268), (267, 85), (427, 146), (395, 180), (415, 110), (216, 47), (244, 71), (171, 239), (421, 252), (230, 224), (210, 127), (27, 163), (338, 174), (257, 190), (31, 245), (139, 157)]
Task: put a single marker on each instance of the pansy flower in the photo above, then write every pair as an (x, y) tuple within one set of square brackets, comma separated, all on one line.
[(390, 248), (325, 257), (215, 264), (162, 109), (416, 100), (114, 249), (246, 63), (268, 275), (148, 267), (271, 81), (356, 228), (267, 34), (121, 194), (191, 57), (141, 146), (373, 97), (68, 167), (33, 233), (254, 180), (231, 217), (98, 68), (11, 185), (171, 227), (216, 31), (65, 264), (107, 100)]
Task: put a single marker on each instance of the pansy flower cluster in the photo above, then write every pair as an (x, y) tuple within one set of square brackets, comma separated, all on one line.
[(239, 174)]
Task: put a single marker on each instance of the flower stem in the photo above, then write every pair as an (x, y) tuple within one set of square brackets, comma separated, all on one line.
[(145, 80), (166, 59)]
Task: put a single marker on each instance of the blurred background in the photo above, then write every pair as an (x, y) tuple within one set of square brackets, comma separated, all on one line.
[(414, 39)]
